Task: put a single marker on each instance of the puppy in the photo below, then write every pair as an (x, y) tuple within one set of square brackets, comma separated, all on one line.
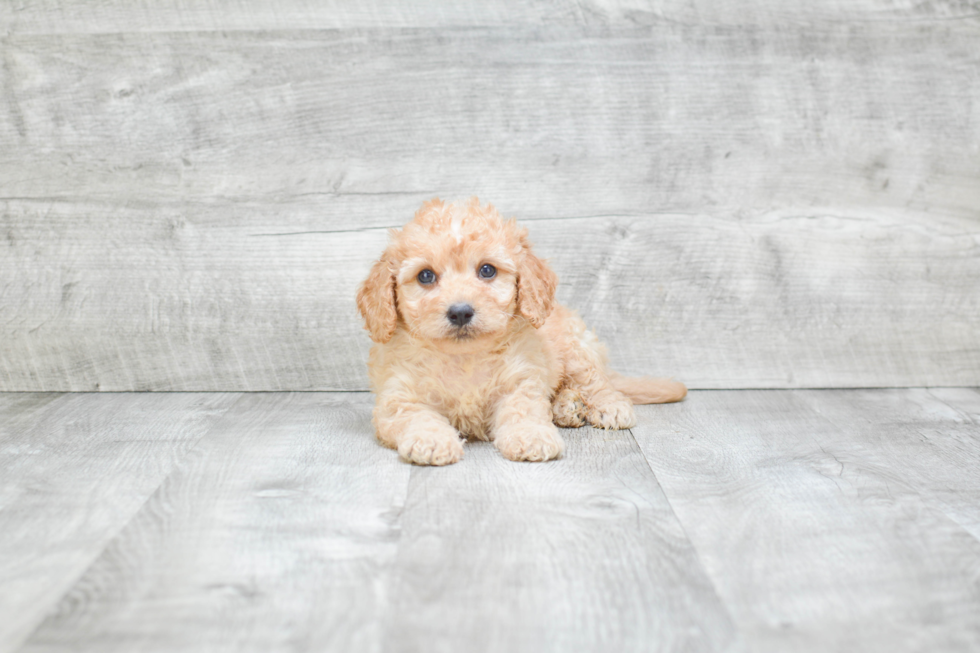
[(471, 344)]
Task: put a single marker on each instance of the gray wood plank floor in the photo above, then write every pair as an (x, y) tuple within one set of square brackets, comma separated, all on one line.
[(775, 520)]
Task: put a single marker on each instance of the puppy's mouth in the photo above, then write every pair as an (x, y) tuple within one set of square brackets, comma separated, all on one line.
[(462, 333)]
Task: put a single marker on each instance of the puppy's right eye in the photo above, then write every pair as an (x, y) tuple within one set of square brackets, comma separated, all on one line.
[(426, 277)]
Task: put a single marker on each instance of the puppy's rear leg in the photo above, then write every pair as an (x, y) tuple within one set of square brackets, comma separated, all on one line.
[(420, 434), (608, 408), (568, 410), (585, 377)]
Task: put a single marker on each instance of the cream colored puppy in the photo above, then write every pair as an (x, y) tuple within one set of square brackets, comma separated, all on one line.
[(470, 344)]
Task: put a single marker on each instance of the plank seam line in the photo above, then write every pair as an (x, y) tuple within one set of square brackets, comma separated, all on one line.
[(523, 220), (53, 610), (831, 388), (197, 392), (366, 391), (971, 420), (324, 231), (694, 548), (9, 30)]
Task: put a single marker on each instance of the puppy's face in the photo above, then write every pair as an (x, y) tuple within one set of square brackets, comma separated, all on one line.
[(457, 275), (457, 285)]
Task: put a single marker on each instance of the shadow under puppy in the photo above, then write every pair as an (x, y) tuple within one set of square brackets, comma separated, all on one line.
[(471, 342)]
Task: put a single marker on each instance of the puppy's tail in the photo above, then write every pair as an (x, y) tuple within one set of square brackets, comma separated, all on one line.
[(646, 390)]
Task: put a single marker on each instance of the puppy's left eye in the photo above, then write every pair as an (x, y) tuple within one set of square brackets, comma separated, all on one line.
[(487, 271)]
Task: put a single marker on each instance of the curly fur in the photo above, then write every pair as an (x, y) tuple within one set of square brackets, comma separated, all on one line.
[(521, 366)]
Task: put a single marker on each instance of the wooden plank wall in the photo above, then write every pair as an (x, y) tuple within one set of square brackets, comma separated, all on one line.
[(740, 194)]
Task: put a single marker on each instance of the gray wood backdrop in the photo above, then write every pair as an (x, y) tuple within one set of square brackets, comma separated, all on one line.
[(741, 193)]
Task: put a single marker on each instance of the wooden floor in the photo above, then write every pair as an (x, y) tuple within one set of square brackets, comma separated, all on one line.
[(788, 520)]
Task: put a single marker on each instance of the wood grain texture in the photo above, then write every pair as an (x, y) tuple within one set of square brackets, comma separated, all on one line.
[(930, 437), (736, 520), (290, 528), (189, 207), (113, 16), (274, 536), (221, 304), (214, 301), (583, 554), (559, 122), (823, 517), (74, 469)]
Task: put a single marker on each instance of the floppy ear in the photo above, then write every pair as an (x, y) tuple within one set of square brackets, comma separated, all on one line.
[(376, 300), (536, 284)]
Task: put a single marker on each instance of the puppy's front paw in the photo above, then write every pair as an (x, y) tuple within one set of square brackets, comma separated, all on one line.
[(530, 442), (431, 447), (613, 411), (568, 410)]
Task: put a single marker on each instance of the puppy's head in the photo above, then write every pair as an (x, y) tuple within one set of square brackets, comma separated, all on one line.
[(456, 274)]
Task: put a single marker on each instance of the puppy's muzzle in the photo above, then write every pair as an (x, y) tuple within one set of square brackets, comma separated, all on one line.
[(460, 314)]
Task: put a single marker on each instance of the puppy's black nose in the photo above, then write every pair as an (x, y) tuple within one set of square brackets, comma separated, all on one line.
[(460, 314)]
